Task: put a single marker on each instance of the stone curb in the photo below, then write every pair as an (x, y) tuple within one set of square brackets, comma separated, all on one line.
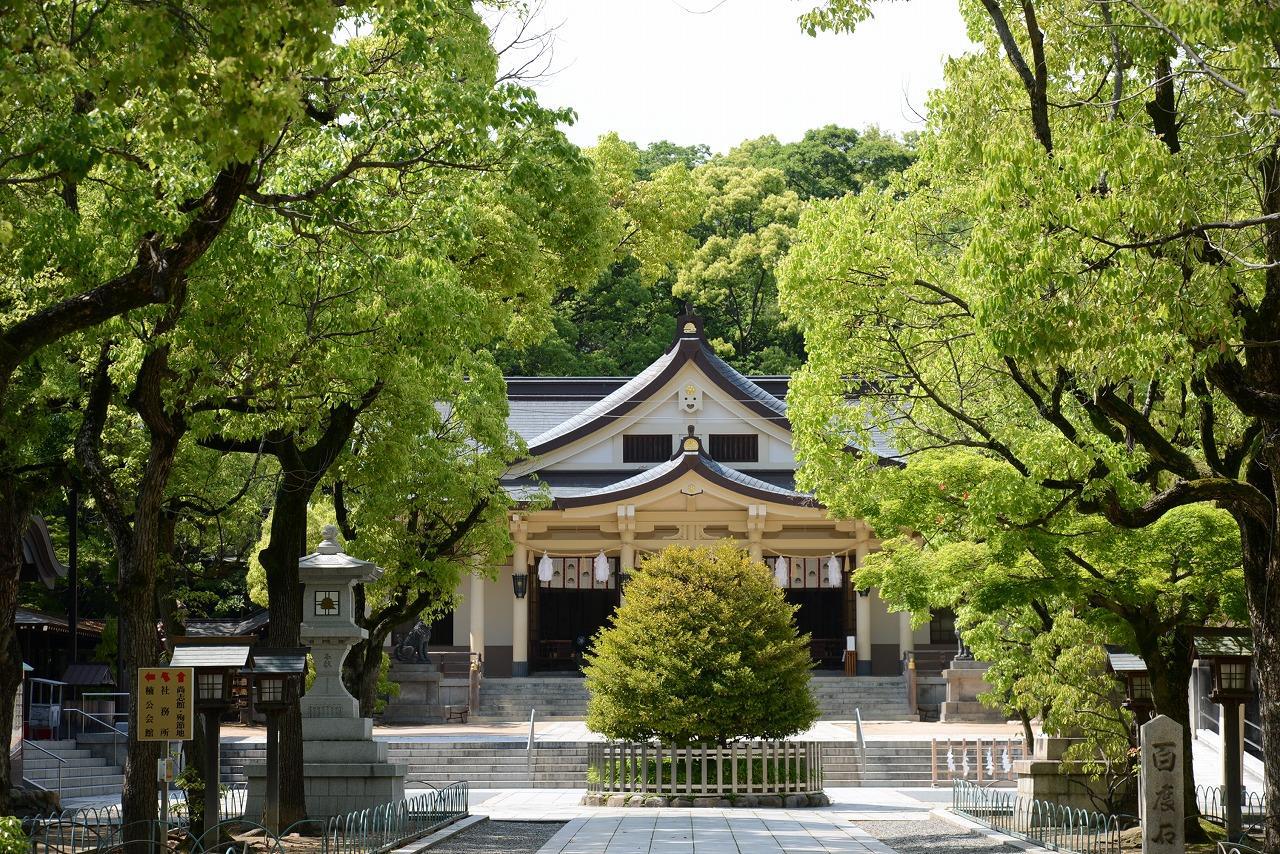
[(441, 835), (947, 815), (816, 800)]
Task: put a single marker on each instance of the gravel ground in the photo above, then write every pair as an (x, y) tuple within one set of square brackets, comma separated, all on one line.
[(500, 837), (929, 837)]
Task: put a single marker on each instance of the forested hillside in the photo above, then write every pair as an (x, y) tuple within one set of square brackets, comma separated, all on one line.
[(739, 211)]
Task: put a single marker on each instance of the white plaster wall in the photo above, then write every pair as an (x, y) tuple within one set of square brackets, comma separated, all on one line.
[(498, 598), (884, 626), (719, 414)]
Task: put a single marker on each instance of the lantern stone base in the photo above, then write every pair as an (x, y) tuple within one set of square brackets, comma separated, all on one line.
[(964, 683), (419, 699), (339, 777), (1046, 776)]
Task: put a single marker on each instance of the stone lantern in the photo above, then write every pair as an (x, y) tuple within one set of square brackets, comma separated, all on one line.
[(1137, 684), (344, 769), (1229, 653)]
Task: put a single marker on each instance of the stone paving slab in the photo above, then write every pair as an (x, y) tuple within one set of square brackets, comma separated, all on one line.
[(771, 832)]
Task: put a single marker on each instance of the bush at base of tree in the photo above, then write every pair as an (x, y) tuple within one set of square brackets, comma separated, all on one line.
[(703, 649)]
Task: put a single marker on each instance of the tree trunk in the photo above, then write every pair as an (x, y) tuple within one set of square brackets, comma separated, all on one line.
[(1168, 658), (279, 559), (361, 668), (14, 514), (1262, 590)]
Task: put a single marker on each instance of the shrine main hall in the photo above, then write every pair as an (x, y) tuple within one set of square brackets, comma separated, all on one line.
[(687, 452)]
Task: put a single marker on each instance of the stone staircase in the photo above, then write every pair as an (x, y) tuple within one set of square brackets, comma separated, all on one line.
[(83, 774), (879, 698), (555, 698), (898, 764)]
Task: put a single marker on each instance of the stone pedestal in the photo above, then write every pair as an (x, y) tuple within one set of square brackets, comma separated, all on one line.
[(344, 769), (1045, 776), (419, 699), (964, 683)]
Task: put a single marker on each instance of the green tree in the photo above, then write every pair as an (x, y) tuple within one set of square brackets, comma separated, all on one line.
[(829, 161), (989, 545), (1078, 278), (704, 648), (746, 230)]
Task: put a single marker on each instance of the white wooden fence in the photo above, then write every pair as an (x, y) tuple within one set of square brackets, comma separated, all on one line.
[(983, 760), (705, 770)]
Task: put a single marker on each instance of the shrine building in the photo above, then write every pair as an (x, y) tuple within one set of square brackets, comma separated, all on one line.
[(687, 452)]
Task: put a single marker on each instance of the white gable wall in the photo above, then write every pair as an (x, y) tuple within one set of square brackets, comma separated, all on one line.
[(662, 414)]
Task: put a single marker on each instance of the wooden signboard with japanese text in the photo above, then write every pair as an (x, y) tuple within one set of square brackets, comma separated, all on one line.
[(166, 703)]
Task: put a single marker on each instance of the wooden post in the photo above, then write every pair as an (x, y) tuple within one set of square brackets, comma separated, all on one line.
[(933, 760), (749, 789)]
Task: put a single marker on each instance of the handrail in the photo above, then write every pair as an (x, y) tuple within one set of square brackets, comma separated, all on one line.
[(98, 720), (862, 744), (28, 743), (530, 746)]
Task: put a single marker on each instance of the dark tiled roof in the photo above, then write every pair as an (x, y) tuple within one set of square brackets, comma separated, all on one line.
[(28, 617), (38, 557), (228, 627), (749, 388), (278, 660), (92, 674), (692, 460), (602, 407), (529, 419)]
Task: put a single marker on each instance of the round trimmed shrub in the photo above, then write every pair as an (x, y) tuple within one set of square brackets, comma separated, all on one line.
[(703, 649)]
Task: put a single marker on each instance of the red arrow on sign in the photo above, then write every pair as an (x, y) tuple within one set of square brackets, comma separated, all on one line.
[(150, 677), (165, 675)]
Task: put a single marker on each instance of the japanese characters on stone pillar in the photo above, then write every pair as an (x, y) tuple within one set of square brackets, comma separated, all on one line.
[(1163, 830)]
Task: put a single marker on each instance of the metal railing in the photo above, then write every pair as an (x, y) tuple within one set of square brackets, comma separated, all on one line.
[(993, 759), (1237, 848), (862, 743), (1055, 826), (705, 770), (370, 831), (61, 761), (1212, 801)]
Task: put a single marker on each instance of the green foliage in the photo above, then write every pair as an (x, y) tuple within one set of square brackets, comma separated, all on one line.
[(829, 161), (388, 689), (12, 839), (724, 262), (703, 649)]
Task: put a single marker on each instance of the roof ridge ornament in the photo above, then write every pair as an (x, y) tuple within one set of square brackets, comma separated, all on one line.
[(688, 324)]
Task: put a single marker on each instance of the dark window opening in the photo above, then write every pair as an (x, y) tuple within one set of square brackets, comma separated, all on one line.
[(736, 448), (942, 627), (652, 448)]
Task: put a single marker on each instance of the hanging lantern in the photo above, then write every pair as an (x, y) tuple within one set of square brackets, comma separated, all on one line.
[(601, 565), (545, 570), (833, 571), (781, 572)]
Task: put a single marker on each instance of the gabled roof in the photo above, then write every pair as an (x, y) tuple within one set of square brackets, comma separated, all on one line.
[(689, 345), (690, 458), (38, 556)]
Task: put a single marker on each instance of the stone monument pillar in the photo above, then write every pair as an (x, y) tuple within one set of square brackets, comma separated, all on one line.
[(1161, 804), (344, 769)]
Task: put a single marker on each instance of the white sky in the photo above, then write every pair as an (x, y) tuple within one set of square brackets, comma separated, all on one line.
[(651, 70)]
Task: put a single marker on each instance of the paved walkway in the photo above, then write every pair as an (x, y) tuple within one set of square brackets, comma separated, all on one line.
[(621, 830)]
